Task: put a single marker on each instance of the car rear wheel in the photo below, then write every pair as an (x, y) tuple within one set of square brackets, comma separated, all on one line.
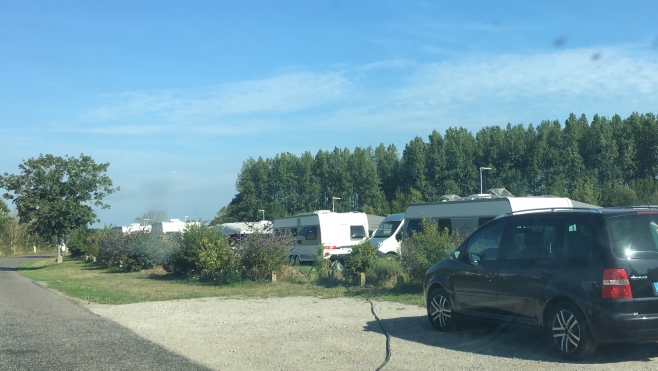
[(440, 311), (570, 333)]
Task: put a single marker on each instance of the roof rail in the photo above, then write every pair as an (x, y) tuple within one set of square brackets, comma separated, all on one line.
[(553, 209), (649, 207)]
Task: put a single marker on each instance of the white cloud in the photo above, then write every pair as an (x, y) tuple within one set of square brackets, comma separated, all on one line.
[(470, 91), (285, 93)]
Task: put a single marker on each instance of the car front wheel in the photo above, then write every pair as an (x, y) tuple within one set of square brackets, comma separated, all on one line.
[(570, 333), (440, 311)]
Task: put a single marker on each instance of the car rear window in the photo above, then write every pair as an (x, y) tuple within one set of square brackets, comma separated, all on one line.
[(634, 236)]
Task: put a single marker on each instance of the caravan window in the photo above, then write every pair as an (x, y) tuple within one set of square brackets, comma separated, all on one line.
[(357, 232), (416, 225), (309, 233)]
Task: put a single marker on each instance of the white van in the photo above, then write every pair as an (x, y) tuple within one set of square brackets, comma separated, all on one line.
[(388, 235), (337, 232), (464, 215)]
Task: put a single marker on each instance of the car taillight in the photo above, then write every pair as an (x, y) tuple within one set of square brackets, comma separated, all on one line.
[(330, 247), (616, 284)]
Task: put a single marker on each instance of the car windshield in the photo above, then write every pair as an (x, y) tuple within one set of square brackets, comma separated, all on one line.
[(386, 229), (634, 235)]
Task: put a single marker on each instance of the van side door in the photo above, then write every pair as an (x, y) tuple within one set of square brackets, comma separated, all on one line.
[(526, 268)]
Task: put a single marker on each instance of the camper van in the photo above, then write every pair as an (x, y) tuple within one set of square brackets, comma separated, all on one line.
[(335, 231), (388, 235), (466, 214)]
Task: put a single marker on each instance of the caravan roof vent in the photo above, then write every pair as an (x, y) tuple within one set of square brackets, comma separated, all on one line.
[(500, 192)]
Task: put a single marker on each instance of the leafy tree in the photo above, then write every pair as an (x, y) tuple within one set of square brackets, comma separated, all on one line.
[(413, 167), (387, 160), (55, 195), (5, 217)]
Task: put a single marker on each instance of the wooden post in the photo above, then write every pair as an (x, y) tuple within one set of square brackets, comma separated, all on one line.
[(273, 276), (362, 279)]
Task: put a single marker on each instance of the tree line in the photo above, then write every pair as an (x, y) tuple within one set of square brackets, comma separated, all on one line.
[(605, 161)]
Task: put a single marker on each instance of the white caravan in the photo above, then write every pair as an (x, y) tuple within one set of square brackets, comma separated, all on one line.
[(388, 235), (337, 232), (466, 214)]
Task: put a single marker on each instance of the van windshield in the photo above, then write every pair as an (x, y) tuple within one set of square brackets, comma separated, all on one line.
[(386, 229), (634, 235)]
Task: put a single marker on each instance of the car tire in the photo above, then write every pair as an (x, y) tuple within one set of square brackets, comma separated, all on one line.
[(569, 332), (440, 311)]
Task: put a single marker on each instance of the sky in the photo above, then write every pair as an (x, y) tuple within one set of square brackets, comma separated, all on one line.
[(176, 95)]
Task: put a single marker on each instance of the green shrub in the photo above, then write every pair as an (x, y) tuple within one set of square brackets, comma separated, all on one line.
[(260, 253), (423, 249), (362, 257), (320, 264), (111, 249), (146, 250), (204, 252), (384, 273)]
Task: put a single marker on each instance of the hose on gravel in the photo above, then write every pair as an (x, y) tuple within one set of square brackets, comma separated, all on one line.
[(388, 337)]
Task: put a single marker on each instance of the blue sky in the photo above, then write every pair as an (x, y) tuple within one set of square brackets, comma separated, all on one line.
[(175, 95)]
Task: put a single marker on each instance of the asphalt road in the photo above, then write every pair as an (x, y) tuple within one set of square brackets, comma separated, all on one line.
[(41, 330)]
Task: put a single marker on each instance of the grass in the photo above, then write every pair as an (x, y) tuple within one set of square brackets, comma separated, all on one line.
[(89, 282)]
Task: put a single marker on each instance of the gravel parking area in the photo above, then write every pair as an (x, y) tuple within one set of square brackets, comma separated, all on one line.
[(301, 333)]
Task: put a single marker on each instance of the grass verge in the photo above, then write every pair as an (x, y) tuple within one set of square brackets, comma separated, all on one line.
[(88, 282)]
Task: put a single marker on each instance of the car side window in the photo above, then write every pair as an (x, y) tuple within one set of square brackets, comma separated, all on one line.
[(484, 243), (576, 239), (531, 239)]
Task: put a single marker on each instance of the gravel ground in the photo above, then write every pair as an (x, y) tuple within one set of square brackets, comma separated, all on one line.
[(301, 333)]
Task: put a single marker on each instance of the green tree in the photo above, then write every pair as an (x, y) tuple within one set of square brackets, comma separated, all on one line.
[(5, 217), (56, 195)]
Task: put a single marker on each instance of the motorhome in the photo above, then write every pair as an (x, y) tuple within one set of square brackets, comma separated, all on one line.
[(335, 231), (388, 235), (235, 230), (466, 214), (172, 226)]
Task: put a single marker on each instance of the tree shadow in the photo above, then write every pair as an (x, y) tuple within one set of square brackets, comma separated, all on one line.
[(504, 341)]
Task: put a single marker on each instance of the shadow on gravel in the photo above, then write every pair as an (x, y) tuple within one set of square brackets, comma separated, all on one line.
[(504, 341)]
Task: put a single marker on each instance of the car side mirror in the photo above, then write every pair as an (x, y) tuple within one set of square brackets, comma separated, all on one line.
[(474, 259)]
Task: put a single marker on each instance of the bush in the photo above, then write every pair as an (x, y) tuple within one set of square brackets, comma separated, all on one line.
[(384, 273), (423, 249), (320, 264), (204, 252), (362, 257), (146, 250), (261, 253), (111, 249)]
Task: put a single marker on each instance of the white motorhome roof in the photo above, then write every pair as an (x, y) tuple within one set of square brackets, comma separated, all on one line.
[(244, 227), (489, 206), (315, 217)]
